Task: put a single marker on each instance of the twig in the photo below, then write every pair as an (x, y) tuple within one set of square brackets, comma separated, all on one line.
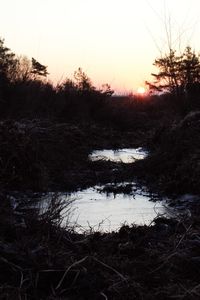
[(193, 290), (111, 268), (183, 236), (102, 294), (11, 264), (68, 269), (164, 263)]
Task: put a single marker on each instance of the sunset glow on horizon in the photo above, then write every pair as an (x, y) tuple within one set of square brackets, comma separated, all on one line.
[(141, 90), (114, 42)]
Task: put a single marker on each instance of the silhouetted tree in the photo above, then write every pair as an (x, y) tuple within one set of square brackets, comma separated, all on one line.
[(38, 69), (80, 99), (106, 90), (82, 81), (176, 72), (8, 63), (23, 69)]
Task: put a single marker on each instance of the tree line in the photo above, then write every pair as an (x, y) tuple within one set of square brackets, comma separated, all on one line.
[(26, 92)]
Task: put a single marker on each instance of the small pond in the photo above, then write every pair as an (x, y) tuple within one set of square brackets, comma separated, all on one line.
[(99, 209), (94, 208), (125, 155)]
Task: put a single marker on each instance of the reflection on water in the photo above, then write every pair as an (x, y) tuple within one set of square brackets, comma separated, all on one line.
[(106, 208), (99, 210), (121, 155)]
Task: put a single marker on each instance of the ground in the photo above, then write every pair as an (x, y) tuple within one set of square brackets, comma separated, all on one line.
[(41, 260)]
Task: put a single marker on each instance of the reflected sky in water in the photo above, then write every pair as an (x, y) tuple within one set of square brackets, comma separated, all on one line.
[(96, 209), (121, 155), (108, 212)]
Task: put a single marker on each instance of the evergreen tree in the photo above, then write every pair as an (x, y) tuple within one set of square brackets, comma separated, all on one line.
[(177, 73), (38, 69), (8, 63)]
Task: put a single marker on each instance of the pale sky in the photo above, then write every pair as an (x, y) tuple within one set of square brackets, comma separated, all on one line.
[(113, 41)]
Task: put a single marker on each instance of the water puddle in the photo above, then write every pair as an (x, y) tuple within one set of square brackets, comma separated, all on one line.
[(121, 155), (107, 207), (94, 208)]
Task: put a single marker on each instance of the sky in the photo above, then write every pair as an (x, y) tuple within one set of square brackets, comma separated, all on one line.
[(113, 41)]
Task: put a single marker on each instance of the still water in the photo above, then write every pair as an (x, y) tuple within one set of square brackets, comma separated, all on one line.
[(107, 207), (125, 155), (94, 208), (99, 210)]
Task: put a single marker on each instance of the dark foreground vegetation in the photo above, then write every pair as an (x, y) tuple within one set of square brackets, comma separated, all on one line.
[(46, 134), (41, 260)]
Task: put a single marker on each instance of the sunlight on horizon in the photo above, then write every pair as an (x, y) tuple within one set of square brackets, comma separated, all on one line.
[(114, 42), (141, 90)]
